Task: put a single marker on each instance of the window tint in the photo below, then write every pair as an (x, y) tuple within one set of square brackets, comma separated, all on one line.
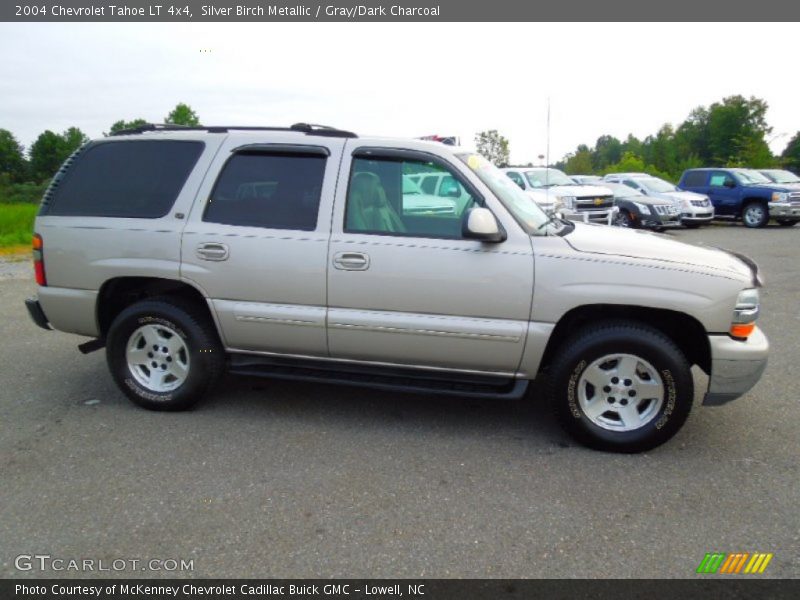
[(695, 179), (630, 183), (382, 198), (276, 191), (719, 179), (134, 179), (516, 178)]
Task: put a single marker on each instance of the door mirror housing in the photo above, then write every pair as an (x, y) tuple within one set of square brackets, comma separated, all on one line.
[(729, 183), (481, 224)]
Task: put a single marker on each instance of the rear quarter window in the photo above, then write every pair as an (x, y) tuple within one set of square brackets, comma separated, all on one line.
[(695, 179), (132, 179)]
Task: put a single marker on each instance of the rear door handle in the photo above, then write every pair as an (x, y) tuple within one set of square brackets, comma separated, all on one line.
[(351, 261), (213, 251)]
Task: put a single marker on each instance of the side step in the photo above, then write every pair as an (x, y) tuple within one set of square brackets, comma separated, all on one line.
[(402, 379)]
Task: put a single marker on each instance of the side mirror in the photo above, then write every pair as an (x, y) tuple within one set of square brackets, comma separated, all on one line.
[(480, 224), (730, 183), (520, 184), (644, 191)]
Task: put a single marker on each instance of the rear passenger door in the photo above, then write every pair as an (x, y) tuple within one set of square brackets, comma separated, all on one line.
[(256, 241)]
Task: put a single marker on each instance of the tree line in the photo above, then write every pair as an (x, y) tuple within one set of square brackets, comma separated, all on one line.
[(24, 173), (731, 133)]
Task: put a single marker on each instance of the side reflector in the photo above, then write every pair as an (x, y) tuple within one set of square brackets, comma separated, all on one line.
[(742, 331)]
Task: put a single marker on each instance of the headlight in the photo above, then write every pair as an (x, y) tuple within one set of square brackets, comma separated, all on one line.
[(780, 197), (568, 201), (745, 313), (643, 208)]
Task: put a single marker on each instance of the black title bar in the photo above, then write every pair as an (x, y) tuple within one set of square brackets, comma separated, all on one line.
[(398, 11)]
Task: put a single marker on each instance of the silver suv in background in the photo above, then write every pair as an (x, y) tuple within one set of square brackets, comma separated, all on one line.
[(293, 253), (696, 209), (577, 202)]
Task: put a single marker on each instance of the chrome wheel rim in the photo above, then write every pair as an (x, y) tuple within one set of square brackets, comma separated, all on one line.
[(622, 220), (754, 214), (620, 392), (158, 358)]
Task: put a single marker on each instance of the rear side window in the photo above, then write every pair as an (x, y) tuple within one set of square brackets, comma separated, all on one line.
[(138, 179), (274, 191), (695, 179)]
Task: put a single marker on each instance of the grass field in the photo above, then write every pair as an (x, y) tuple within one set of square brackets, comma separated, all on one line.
[(16, 224)]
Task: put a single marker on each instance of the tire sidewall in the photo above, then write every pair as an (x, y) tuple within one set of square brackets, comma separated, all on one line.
[(671, 366), (119, 335), (761, 222)]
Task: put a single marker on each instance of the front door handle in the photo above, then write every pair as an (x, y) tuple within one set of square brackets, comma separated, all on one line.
[(213, 251), (351, 261)]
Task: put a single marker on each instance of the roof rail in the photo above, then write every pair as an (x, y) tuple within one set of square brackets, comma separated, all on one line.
[(307, 128)]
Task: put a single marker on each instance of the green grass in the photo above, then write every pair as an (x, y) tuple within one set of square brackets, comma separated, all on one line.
[(16, 224)]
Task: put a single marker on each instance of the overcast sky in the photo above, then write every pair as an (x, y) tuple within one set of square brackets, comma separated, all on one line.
[(398, 79)]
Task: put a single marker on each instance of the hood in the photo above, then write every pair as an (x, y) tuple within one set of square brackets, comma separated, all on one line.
[(777, 187), (680, 195), (579, 191), (634, 243), (649, 200)]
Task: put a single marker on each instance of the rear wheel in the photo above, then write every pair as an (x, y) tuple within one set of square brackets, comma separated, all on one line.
[(755, 214), (164, 353), (786, 222), (621, 387)]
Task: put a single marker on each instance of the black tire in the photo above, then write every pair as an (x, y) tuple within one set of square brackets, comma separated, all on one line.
[(692, 225), (786, 222), (623, 338), (202, 352), (624, 219), (755, 215)]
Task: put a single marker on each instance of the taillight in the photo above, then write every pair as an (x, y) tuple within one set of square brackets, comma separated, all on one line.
[(38, 259)]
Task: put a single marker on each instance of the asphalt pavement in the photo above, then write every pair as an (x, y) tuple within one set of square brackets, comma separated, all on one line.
[(281, 479)]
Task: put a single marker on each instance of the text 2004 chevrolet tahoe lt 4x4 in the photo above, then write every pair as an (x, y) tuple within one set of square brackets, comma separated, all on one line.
[(291, 253)]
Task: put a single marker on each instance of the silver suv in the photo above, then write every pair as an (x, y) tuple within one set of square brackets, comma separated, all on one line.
[(293, 253)]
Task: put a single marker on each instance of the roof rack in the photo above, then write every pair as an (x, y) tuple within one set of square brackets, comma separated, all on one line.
[(307, 128)]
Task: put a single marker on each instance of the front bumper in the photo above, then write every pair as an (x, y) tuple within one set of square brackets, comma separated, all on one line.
[(735, 366), (37, 314), (604, 216), (784, 210), (705, 216)]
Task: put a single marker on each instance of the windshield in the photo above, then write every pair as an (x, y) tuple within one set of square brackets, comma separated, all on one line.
[(547, 177), (621, 190), (410, 187), (653, 184), (525, 211), (747, 176), (779, 176)]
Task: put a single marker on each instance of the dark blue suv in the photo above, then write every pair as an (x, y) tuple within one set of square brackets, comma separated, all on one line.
[(745, 194)]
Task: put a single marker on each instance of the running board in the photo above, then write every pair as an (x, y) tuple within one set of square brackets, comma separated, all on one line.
[(401, 379)]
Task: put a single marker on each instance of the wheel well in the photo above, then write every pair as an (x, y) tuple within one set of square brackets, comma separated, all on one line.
[(747, 201), (117, 294), (687, 332)]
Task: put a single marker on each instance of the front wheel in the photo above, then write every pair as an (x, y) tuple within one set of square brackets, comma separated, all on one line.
[(755, 214), (164, 354), (621, 387), (624, 219)]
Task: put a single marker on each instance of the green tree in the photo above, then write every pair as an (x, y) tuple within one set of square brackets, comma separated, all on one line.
[(12, 157), (122, 125), (734, 125), (607, 151), (51, 149), (791, 154), (182, 114), (579, 163), (493, 147)]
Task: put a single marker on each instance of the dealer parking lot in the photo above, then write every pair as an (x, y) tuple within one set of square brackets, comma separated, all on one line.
[(278, 479)]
